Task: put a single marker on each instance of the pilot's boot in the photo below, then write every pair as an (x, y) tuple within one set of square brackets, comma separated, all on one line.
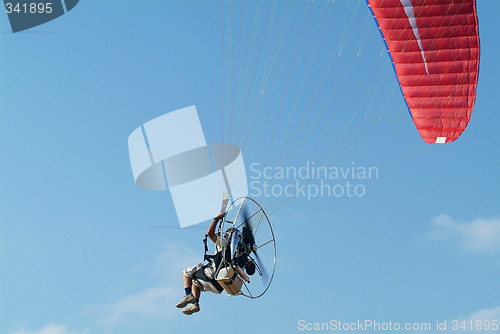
[(192, 308), (187, 299)]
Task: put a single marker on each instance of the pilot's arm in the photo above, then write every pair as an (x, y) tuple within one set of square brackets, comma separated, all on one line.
[(211, 229)]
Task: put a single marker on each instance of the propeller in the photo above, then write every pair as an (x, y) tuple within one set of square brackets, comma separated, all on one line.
[(249, 239)]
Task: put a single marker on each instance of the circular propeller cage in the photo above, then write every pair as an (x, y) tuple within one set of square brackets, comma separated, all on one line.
[(248, 222)]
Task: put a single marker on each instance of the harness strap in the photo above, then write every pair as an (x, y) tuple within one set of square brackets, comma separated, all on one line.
[(205, 256), (205, 243), (232, 278), (200, 274)]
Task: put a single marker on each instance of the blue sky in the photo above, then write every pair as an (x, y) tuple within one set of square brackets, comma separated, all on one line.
[(77, 253)]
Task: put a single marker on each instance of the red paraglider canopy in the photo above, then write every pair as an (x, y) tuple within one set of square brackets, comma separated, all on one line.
[(434, 46)]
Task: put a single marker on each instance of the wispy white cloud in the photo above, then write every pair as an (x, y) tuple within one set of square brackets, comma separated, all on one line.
[(486, 314), (481, 321), (151, 303), (50, 329), (154, 301), (480, 235), (168, 264)]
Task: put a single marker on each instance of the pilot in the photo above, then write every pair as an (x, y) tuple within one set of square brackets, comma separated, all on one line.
[(200, 277)]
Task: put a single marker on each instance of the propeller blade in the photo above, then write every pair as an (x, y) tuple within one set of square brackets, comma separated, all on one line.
[(247, 234), (260, 267), (250, 239)]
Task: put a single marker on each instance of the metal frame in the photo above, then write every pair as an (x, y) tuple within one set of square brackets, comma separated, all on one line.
[(263, 219)]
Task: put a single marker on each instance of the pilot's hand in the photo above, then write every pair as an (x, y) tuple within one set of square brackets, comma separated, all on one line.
[(220, 216)]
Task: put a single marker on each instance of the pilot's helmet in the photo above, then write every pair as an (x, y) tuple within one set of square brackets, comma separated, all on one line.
[(228, 232)]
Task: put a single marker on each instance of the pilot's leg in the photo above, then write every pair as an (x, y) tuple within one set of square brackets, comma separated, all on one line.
[(188, 281), (194, 306), (188, 284), (196, 292)]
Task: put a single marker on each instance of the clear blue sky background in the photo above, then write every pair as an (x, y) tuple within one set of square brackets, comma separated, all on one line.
[(77, 253)]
